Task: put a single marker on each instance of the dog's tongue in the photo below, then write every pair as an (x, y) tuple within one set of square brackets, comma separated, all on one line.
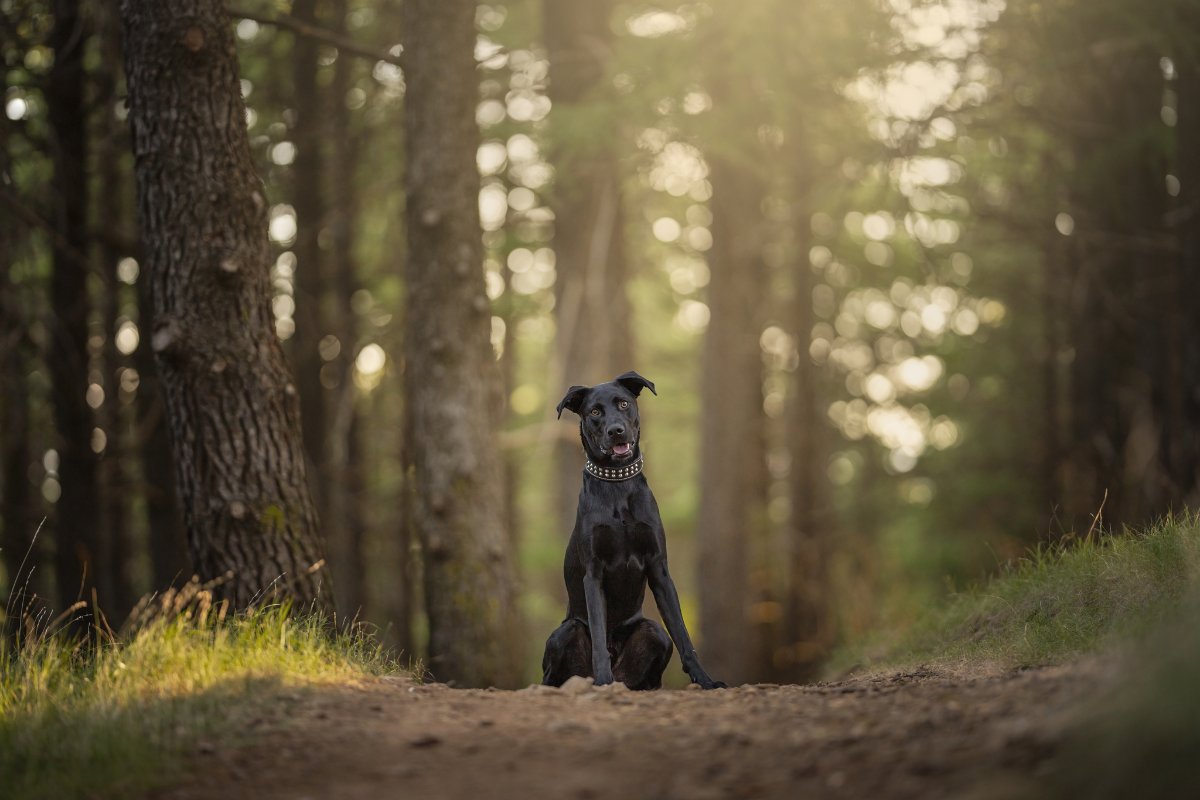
[(621, 449)]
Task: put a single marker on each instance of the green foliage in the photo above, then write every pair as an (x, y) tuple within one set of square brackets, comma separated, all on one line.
[(113, 718), (1057, 603)]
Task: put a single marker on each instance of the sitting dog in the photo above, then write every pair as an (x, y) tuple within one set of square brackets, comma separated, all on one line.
[(617, 547)]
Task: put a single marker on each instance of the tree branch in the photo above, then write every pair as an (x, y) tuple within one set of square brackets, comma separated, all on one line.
[(316, 32)]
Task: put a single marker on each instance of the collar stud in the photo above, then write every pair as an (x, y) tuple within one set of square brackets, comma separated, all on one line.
[(615, 473)]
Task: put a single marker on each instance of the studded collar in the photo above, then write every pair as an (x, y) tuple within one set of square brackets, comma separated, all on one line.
[(622, 473)]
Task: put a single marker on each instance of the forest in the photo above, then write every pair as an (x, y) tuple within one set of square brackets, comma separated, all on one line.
[(291, 290)]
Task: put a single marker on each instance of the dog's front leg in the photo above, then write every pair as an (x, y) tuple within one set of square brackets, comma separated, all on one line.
[(593, 592), (667, 599)]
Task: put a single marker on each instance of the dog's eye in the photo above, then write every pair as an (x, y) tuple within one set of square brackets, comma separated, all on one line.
[(624, 404), (595, 412)]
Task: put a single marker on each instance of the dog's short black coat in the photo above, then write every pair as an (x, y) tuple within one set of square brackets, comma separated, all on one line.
[(617, 548)]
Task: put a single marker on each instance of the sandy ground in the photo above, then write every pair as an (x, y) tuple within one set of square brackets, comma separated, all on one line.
[(918, 734)]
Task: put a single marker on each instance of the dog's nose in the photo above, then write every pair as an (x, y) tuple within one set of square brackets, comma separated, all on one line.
[(616, 430)]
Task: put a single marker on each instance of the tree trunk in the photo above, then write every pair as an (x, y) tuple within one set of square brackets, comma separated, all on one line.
[(17, 543), (308, 204), (1123, 382), (117, 593), (452, 401), (732, 461), (76, 526), (231, 401), (113, 570), (592, 312), (18, 521), (808, 628), (1183, 439), (1053, 417), (164, 518), (345, 489)]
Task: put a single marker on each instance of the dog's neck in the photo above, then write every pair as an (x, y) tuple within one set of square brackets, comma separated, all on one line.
[(621, 473)]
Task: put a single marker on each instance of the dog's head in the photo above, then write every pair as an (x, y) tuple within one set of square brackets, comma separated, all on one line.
[(608, 417)]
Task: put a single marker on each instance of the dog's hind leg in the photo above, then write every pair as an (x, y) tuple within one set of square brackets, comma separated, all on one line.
[(568, 652), (645, 651)]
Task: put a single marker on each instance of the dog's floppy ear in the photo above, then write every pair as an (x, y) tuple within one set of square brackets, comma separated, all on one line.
[(573, 399), (633, 383)]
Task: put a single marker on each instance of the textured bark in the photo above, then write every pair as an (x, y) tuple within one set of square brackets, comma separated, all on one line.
[(450, 373), (732, 459), (75, 530), (231, 402), (594, 336)]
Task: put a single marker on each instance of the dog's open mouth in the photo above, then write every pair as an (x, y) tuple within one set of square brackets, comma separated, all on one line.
[(622, 449)]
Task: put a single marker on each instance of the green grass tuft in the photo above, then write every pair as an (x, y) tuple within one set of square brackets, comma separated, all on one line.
[(1057, 603), (114, 718)]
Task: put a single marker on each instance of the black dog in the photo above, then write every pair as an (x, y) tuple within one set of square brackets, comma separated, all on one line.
[(617, 547)]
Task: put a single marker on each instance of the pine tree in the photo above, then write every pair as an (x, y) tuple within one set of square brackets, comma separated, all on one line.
[(231, 401), (452, 402)]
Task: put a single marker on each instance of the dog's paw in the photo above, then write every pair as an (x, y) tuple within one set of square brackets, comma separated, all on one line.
[(705, 682)]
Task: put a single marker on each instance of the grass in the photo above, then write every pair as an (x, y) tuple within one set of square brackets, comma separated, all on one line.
[(1136, 595), (1139, 737), (1058, 603), (114, 716)]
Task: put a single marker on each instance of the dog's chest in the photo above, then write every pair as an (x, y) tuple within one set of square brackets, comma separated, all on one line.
[(623, 536)]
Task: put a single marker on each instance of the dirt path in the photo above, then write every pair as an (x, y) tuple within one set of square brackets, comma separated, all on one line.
[(919, 734)]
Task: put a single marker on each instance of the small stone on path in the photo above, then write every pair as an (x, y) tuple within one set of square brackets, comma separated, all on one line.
[(577, 684), (425, 741)]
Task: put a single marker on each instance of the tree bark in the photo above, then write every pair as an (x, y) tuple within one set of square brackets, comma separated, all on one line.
[(732, 460), (231, 401), (592, 312), (76, 532), (451, 384)]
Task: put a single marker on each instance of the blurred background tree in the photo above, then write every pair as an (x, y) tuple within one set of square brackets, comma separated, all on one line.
[(914, 279), (452, 403)]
